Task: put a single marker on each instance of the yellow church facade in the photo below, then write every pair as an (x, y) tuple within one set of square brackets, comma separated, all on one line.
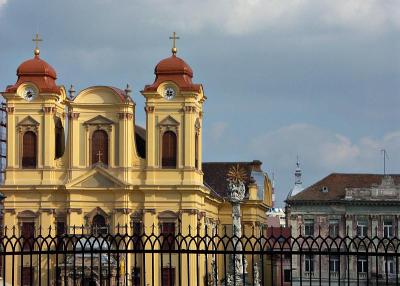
[(75, 161)]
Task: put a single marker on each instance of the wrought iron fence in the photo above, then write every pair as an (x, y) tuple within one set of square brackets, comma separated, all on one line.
[(206, 256)]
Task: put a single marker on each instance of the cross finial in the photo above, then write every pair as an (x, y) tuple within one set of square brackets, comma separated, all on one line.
[(99, 154), (37, 40), (174, 38)]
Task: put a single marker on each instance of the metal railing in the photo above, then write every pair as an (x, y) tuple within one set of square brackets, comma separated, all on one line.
[(202, 256)]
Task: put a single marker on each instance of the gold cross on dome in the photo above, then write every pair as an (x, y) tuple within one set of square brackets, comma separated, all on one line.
[(99, 154), (174, 38), (37, 40)]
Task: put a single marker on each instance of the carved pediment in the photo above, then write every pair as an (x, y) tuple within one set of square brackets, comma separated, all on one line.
[(28, 121), (169, 121), (99, 120), (97, 178)]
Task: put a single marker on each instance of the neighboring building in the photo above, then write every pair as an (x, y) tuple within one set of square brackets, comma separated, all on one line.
[(276, 217), (362, 205), (107, 171)]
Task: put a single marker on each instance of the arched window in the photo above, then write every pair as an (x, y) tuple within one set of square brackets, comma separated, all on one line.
[(169, 150), (99, 224), (29, 150), (100, 147), (59, 138)]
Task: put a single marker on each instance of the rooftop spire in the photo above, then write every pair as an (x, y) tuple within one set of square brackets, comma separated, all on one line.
[(37, 40), (174, 38), (298, 184), (297, 173)]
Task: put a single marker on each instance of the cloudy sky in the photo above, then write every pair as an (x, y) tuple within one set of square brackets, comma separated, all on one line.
[(317, 78)]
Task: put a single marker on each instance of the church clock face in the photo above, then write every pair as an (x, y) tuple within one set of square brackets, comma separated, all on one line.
[(29, 93), (169, 93)]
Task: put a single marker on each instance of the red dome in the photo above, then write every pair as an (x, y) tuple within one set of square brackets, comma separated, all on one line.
[(36, 67), (38, 72), (173, 69), (173, 65)]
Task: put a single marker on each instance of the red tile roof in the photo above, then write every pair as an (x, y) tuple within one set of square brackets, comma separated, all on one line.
[(336, 184)]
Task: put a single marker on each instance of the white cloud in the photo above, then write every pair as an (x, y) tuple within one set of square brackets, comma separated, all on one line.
[(246, 16), (327, 151), (321, 153), (217, 131), (2, 3)]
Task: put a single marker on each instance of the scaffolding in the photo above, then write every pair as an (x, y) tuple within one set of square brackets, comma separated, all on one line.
[(3, 138)]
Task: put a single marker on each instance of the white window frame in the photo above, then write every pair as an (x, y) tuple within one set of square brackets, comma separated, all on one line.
[(364, 265), (309, 263), (390, 264), (334, 261), (334, 225), (309, 227), (387, 228), (362, 228)]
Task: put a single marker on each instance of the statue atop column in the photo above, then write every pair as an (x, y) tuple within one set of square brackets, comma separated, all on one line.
[(236, 178)]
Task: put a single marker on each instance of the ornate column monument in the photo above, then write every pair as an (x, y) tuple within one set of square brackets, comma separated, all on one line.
[(236, 191)]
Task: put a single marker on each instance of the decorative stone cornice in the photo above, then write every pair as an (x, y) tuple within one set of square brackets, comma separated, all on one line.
[(189, 211), (76, 210), (73, 115), (47, 210), (48, 110), (9, 210), (124, 115), (189, 109), (149, 109), (123, 210), (149, 210), (11, 109)]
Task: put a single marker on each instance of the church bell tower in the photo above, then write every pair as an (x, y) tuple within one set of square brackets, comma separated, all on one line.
[(174, 109), (35, 124)]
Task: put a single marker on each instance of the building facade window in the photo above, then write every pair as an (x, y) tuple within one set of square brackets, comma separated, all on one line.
[(29, 150), (388, 228), (309, 227), (168, 234), (169, 150), (362, 264), (28, 234), (287, 277), (59, 139), (390, 265), (168, 276), (334, 228), (196, 151), (309, 263), (334, 263), (99, 225), (100, 147), (27, 276), (362, 228)]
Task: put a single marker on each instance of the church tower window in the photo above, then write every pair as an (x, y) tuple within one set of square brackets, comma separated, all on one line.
[(169, 150), (59, 139), (29, 150), (100, 147), (196, 151)]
